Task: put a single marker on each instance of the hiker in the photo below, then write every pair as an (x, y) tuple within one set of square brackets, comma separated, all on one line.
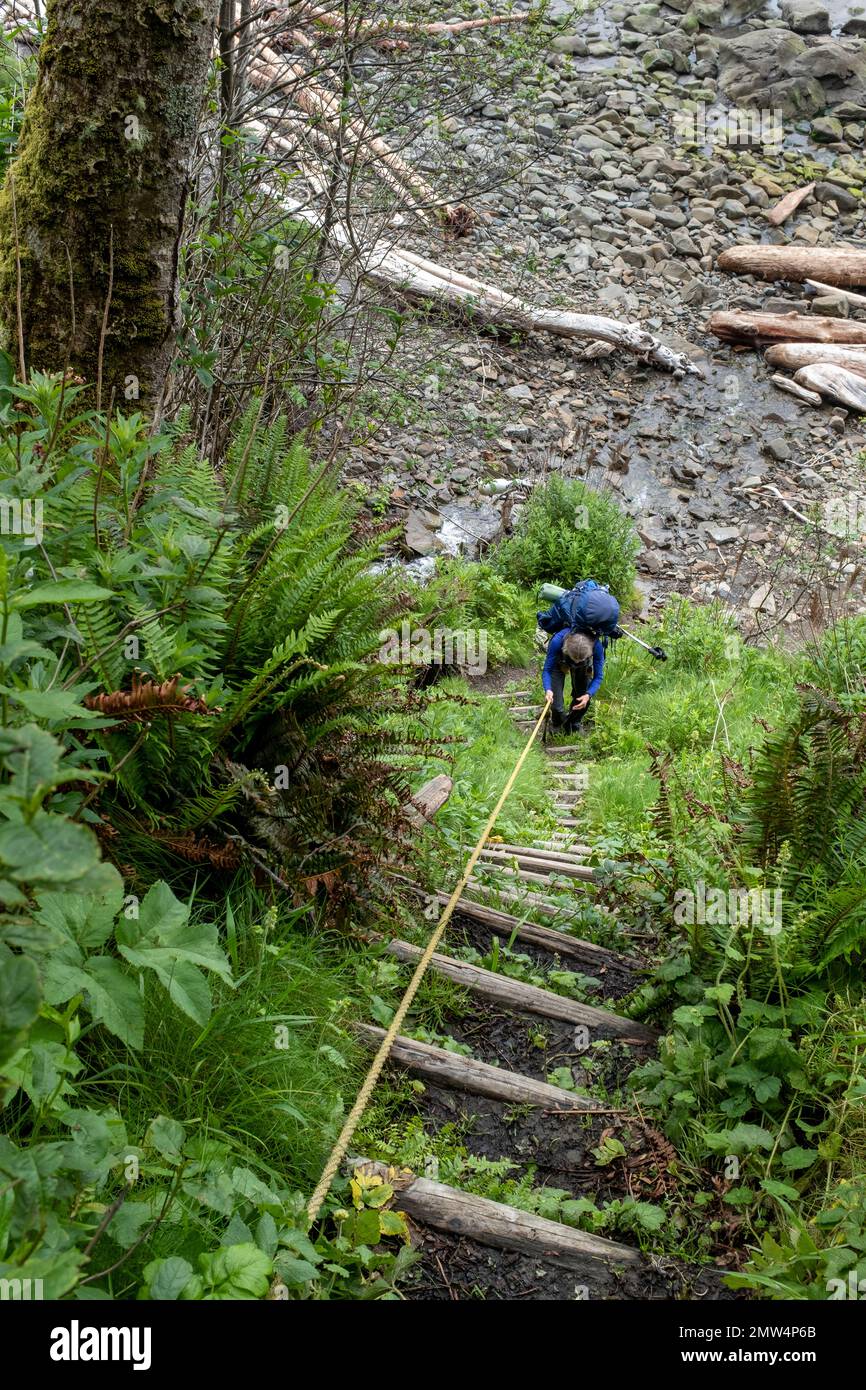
[(572, 654)]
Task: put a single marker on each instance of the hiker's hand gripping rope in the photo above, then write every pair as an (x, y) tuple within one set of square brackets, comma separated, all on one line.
[(338, 1153)]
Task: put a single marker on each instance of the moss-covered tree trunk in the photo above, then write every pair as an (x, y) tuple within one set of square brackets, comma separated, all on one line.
[(92, 208)]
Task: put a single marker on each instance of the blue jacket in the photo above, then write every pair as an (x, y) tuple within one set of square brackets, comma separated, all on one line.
[(553, 651)]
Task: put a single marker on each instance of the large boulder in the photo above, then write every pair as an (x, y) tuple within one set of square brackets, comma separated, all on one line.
[(839, 65), (735, 11), (797, 98), (753, 61), (806, 16), (775, 69)]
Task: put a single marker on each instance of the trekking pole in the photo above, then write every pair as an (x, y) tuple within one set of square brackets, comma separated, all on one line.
[(653, 651)]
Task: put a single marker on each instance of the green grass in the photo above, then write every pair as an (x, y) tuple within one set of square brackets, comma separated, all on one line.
[(271, 1071)]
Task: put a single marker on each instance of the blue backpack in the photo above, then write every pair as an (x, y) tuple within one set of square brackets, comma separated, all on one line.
[(588, 607)]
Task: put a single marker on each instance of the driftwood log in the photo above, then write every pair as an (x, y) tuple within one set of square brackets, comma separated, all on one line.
[(741, 325), (785, 206), (835, 382), (425, 280), (795, 355), (858, 301), (476, 1078), (785, 383), (514, 994), (833, 265)]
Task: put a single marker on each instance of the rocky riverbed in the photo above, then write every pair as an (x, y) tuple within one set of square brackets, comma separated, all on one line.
[(656, 136)]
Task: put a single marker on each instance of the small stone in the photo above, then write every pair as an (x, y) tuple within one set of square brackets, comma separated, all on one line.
[(519, 393), (418, 533), (723, 535), (700, 509), (570, 43), (777, 447), (762, 600), (658, 58), (653, 533), (826, 129), (645, 217), (547, 127), (830, 305), (649, 562), (832, 193)]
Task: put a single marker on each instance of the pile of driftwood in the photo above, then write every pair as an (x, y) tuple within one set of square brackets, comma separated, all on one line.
[(313, 132), (826, 356)]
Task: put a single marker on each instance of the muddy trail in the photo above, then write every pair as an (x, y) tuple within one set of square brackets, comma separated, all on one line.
[(535, 1078)]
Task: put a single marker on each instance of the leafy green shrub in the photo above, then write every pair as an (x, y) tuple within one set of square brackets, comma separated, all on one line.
[(464, 595), (226, 640), (838, 662), (698, 637), (568, 532)]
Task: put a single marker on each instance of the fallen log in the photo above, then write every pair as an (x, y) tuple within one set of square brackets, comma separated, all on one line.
[(514, 994), (477, 1078), (754, 326), (835, 382), (785, 383), (834, 265), (858, 300), (504, 924), (493, 1223), (785, 206), (268, 71), (418, 278), (795, 355)]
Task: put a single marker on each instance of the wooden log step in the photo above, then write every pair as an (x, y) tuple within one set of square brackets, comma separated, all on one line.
[(503, 1227), (504, 924), (511, 694), (525, 709), (522, 900), (539, 862), (545, 851), (477, 1078), (568, 820), (514, 994), (529, 875), (572, 748)]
